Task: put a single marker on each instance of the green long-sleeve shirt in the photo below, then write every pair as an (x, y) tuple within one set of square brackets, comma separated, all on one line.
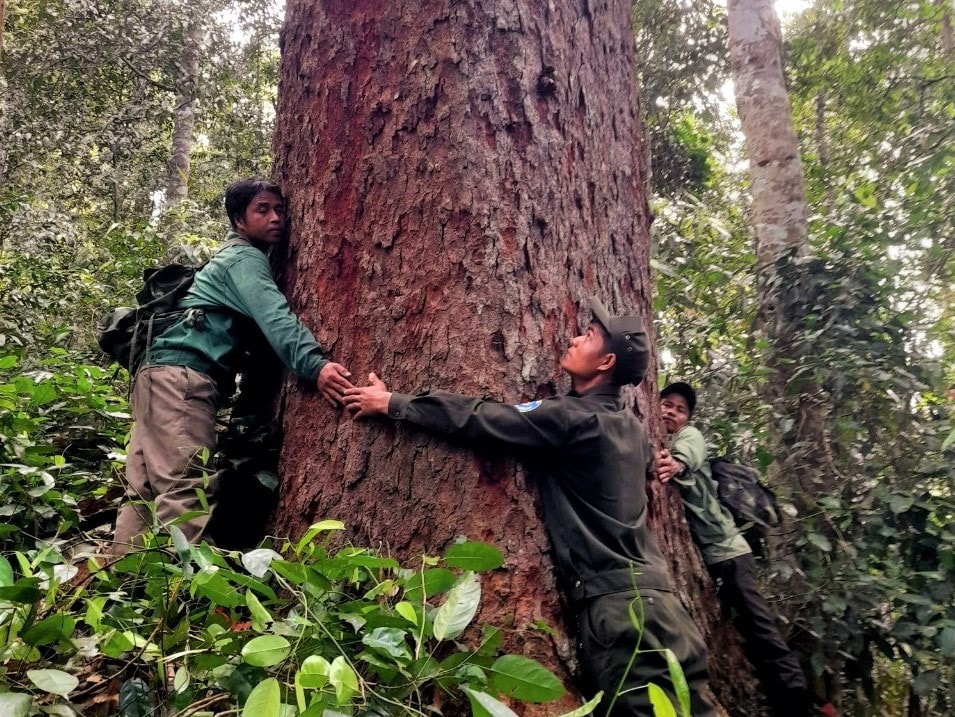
[(712, 527), (237, 293)]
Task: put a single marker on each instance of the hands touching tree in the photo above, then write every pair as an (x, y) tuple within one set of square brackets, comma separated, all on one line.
[(370, 400)]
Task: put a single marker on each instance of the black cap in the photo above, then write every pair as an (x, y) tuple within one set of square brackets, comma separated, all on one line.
[(628, 341), (681, 389)]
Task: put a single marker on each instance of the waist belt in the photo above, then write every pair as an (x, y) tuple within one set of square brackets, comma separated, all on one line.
[(586, 587)]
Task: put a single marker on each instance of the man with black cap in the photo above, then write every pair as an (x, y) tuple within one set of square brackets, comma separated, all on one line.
[(591, 457), (727, 555)]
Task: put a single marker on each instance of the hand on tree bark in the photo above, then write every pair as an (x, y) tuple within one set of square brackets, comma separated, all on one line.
[(667, 466), (370, 400), (333, 382)]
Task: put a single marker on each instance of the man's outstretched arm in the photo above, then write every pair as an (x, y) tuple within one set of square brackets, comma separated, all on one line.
[(541, 424)]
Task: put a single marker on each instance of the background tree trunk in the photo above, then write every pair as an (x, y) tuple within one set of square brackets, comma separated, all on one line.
[(803, 465), (461, 178), (183, 124)]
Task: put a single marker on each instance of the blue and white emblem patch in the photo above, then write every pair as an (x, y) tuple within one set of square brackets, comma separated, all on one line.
[(529, 406)]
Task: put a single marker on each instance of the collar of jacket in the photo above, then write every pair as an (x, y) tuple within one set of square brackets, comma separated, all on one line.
[(233, 237), (602, 390)]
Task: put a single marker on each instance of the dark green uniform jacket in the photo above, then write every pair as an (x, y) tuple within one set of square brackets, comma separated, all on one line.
[(591, 456), (237, 298), (713, 529)]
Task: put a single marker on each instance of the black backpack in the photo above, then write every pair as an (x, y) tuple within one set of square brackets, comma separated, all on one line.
[(739, 489), (125, 333)]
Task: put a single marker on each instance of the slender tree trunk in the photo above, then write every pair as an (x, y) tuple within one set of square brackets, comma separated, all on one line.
[(945, 28), (822, 149), (780, 226), (461, 178), (184, 116), (804, 465)]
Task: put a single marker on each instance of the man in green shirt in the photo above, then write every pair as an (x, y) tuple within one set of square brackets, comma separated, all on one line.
[(591, 457), (232, 306), (727, 556)]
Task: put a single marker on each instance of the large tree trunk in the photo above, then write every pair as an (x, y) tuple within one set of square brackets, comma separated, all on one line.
[(461, 177)]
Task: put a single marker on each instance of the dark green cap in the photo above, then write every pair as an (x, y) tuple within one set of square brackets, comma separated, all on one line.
[(628, 341)]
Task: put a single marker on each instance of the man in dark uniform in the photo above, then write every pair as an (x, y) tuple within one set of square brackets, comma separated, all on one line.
[(591, 457)]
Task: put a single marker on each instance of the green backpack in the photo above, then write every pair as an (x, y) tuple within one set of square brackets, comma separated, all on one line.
[(125, 333)]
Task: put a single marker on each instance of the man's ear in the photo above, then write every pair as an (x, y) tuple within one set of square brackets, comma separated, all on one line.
[(607, 363)]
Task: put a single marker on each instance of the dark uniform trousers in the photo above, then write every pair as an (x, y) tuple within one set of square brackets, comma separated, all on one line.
[(608, 641), (776, 666)]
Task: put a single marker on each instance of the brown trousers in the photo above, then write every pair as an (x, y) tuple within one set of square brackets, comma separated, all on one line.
[(174, 413)]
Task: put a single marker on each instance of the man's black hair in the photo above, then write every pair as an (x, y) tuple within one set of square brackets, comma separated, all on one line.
[(239, 196), (681, 389)]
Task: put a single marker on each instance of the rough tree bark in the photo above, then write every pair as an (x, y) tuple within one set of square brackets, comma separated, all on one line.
[(461, 176)]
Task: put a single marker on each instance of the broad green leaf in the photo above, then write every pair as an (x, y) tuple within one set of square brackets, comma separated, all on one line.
[(293, 572), (660, 702), (182, 548), (49, 630), (314, 672), (679, 682), (265, 700), (407, 611), (266, 651), (459, 608), (25, 591), (473, 556), (350, 558), (321, 527), (949, 440), (116, 643), (56, 682), (260, 616), (6, 572), (388, 641), (525, 679), (212, 584), (820, 541), (94, 612), (15, 704), (343, 679), (43, 394), (900, 503), (428, 583), (181, 680), (483, 705)]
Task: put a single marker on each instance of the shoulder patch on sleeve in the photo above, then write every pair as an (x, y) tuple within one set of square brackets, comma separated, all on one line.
[(529, 406)]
